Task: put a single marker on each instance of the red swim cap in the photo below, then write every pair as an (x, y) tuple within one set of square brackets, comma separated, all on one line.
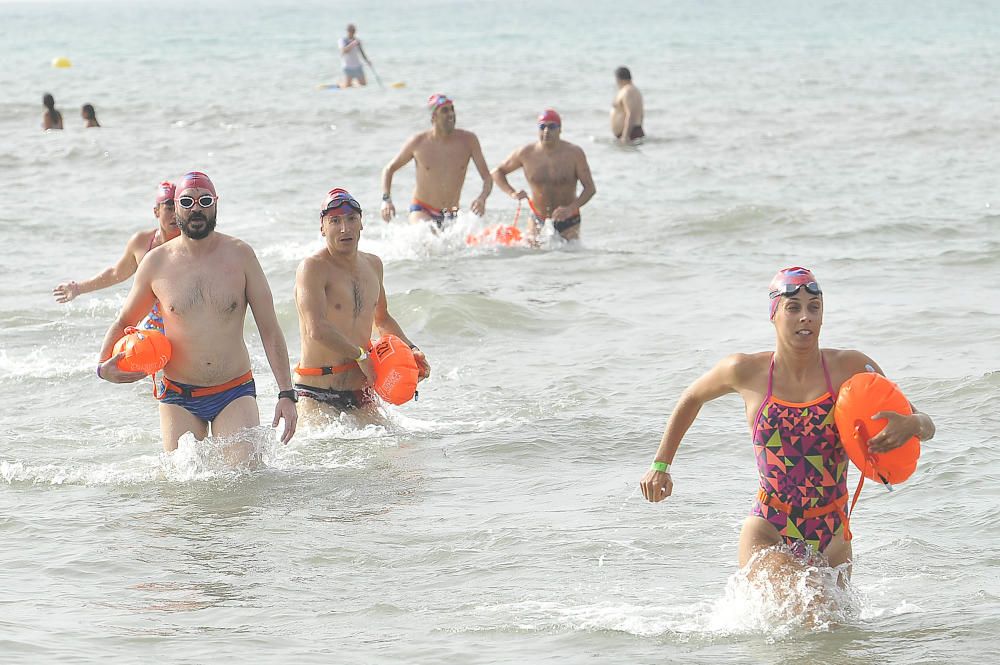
[(550, 115), (165, 192), (437, 100), (195, 180), (788, 281)]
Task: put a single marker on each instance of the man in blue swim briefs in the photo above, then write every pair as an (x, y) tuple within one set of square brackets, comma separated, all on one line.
[(340, 296), (135, 249), (442, 156), (552, 168), (204, 282)]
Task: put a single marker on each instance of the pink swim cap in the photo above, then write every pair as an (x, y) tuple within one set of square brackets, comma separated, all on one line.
[(165, 192), (788, 281), (195, 180), (550, 115), (437, 100)]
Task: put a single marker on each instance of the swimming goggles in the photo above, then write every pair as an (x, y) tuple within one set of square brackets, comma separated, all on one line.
[(791, 289), (205, 201), (338, 201), (548, 125), (438, 100)]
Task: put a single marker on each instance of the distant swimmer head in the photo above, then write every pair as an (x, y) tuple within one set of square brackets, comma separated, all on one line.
[(442, 110), (163, 210), (351, 29), (165, 193), (49, 101), (789, 281), (437, 100), (195, 208), (339, 202), (549, 124), (623, 74)]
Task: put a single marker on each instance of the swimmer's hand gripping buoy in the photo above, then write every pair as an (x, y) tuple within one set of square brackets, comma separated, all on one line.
[(861, 397), (145, 350), (396, 371)]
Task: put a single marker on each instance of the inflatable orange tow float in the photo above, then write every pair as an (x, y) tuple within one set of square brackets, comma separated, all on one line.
[(499, 234), (145, 350), (396, 371), (861, 397)]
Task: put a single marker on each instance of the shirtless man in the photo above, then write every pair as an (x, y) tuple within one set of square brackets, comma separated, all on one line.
[(339, 295), (442, 155), (204, 282), (626, 111), (351, 54), (552, 168), (136, 248)]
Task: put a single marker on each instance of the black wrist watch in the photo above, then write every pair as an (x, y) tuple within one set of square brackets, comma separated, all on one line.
[(290, 394), (386, 197)]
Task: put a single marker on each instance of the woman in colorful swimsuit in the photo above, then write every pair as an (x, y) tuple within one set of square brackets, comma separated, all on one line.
[(789, 395)]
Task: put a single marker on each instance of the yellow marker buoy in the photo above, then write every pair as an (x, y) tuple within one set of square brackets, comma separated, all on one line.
[(62, 62), (397, 84)]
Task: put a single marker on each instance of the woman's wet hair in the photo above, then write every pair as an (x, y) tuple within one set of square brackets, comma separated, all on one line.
[(88, 112), (49, 101)]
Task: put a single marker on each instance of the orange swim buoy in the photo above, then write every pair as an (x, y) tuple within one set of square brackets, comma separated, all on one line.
[(145, 350), (496, 235), (396, 370), (861, 397), (500, 234)]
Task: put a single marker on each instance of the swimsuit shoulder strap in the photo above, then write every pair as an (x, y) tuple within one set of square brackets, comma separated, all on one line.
[(826, 375), (767, 396), (770, 380)]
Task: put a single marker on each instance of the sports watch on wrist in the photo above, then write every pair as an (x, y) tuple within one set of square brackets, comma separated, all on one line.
[(290, 394)]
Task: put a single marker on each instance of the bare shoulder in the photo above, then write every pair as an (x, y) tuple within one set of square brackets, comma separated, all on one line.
[(848, 362), (372, 260), (140, 239), (525, 153), (231, 246), (418, 138), (744, 368), (231, 243), (313, 264), (573, 149), (466, 136)]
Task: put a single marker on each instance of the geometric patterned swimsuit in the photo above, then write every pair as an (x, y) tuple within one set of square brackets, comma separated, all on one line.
[(153, 320), (802, 467)]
